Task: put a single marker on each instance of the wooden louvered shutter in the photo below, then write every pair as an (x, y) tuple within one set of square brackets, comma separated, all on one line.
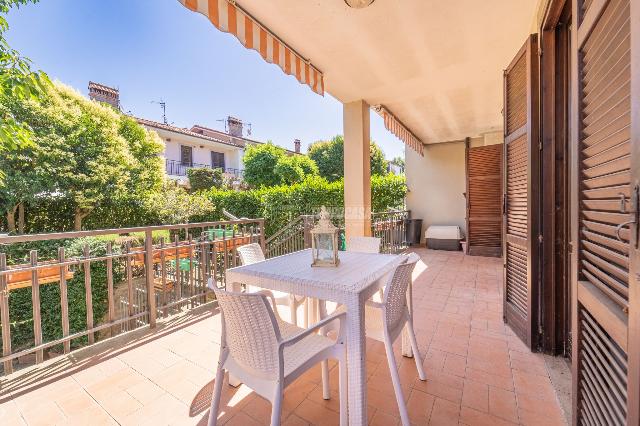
[(521, 153), (484, 200), (606, 137)]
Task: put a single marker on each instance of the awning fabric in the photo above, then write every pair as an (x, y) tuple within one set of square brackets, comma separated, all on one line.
[(400, 130), (227, 16)]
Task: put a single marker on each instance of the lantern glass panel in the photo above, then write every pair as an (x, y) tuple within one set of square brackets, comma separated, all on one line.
[(324, 247)]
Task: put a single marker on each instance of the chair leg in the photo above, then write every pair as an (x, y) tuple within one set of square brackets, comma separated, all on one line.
[(215, 399), (416, 352), (344, 419), (306, 312), (294, 309), (395, 379), (326, 391), (276, 408)]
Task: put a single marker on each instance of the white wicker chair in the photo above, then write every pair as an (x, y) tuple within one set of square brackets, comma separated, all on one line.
[(384, 321), (267, 354), (252, 253), (363, 244)]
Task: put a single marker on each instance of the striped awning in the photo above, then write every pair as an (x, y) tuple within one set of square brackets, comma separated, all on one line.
[(396, 127), (228, 16)]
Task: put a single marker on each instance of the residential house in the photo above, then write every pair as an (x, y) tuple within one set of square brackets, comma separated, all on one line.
[(189, 148), (198, 146)]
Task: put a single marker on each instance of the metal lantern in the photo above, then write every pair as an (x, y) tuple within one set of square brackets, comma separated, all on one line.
[(324, 241)]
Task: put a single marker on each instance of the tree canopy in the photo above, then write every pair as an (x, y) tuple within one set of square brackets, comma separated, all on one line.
[(202, 178), (79, 150), (329, 156), (175, 205), (268, 165), (17, 80), (295, 169), (398, 161), (260, 162)]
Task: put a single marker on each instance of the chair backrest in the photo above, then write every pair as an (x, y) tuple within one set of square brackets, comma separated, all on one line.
[(363, 244), (395, 292), (250, 331), (251, 253)]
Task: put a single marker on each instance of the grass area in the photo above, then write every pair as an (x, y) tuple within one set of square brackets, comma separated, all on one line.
[(136, 236)]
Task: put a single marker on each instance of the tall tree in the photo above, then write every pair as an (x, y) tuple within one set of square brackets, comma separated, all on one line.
[(21, 183), (17, 80), (260, 162), (295, 169), (83, 151), (146, 174), (377, 160), (329, 156), (398, 161)]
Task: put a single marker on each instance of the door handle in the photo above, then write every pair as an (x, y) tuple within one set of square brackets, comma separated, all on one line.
[(635, 215), (623, 225)]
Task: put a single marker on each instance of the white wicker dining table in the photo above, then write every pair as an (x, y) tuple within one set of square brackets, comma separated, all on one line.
[(352, 282)]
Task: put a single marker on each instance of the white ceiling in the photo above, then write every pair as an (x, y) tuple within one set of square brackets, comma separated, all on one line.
[(436, 64)]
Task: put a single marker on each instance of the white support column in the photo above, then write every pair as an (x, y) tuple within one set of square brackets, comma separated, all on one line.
[(357, 169)]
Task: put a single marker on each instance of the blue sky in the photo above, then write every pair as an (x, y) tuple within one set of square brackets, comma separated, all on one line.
[(157, 49)]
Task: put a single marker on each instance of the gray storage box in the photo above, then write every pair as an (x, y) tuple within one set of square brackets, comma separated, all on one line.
[(443, 237)]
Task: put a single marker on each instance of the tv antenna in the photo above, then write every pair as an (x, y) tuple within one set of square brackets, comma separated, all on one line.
[(224, 120), (226, 127), (163, 105)]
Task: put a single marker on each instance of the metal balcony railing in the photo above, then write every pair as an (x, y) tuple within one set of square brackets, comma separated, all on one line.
[(390, 227), (177, 168), (146, 272), (296, 235)]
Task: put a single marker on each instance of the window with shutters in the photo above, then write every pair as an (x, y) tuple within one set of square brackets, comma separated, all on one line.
[(217, 160), (186, 155)]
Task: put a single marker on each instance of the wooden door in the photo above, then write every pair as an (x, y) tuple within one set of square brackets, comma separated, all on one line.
[(521, 183), (555, 84), (484, 200), (606, 57)]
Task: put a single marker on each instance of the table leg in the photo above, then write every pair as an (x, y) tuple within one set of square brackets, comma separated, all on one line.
[(233, 380), (356, 355)]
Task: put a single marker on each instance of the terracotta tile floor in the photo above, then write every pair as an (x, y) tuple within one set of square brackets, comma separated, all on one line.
[(478, 371)]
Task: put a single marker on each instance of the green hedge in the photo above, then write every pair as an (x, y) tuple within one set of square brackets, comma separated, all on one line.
[(277, 204), (56, 215), (280, 204), (21, 308)]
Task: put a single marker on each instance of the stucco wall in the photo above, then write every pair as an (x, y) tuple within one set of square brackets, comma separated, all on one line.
[(201, 149), (437, 182)]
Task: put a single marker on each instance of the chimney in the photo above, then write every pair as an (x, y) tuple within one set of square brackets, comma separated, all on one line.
[(296, 144), (234, 126), (101, 93)]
